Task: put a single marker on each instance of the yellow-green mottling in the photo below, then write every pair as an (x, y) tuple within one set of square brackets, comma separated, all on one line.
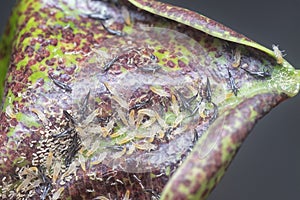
[(56, 38)]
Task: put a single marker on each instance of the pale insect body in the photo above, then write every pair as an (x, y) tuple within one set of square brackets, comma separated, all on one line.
[(94, 148), (119, 132), (131, 120), (49, 160), (25, 183), (56, 171), (127, 195), (144, 145), (99, 159), (120, 101), (237, 58), (108, 128), (82, 160), (122, 116), (90, 118), (40, 115), (278, 54), (125, 140), (57, 194), (178, 120), (175, 105), (159, 91), (116, 97), (71, 170), (100, 198)]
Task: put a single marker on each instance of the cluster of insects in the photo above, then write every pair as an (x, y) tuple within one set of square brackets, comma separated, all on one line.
[(119, 128), (264, 72)]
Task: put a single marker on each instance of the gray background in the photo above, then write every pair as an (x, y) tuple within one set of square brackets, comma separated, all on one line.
[(268, 164)]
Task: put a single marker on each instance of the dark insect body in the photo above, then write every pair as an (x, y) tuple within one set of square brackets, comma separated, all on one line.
[(98, 16), (108, 65), (232, 84), (111, 31), (45, 186), (61, 84), (265, 73)]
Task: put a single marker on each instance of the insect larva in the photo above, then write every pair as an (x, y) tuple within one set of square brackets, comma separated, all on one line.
[(120, 101), (278, 54), (82, 160), (94, 148), (100, 198), (91, 117), (122, 116), (178, 120), (25, 183), (49, 160), (99, 158), (57, 193), (56, 171), (159, 91), (119, 132), (108, 128), (161, 121), (131, 120), (125, 140), (40, 115), (127, 195), (29, 171), (144, 145), (71, 170), (174, 105), (237, 58)]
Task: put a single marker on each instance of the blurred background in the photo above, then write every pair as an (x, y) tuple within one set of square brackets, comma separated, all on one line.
[(268, 163)]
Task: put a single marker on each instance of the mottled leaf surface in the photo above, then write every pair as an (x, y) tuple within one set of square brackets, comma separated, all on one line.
[(152, 101)]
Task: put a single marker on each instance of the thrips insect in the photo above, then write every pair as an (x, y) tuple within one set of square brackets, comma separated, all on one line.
[(61, 84), (278, 54), (233, 86), (260, 74), (113, 32)]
